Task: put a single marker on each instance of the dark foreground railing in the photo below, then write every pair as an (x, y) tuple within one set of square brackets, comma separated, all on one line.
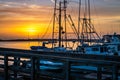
[(16, 62)]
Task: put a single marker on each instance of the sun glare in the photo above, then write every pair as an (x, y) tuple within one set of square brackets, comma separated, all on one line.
[(31, 30)]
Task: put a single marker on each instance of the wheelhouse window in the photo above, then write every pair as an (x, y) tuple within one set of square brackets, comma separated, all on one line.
[(103, 49), (118, 47), (95, 49)]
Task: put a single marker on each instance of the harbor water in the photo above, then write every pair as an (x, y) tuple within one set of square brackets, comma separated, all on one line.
[(26, 44)]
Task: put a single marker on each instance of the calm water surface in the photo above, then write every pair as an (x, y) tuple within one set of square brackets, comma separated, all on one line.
[(19, 45), (27, 44)]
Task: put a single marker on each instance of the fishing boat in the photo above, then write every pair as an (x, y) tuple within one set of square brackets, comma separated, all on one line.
[(91, 42), (113, 43), (109, 46), (59, 18), (40, 48)]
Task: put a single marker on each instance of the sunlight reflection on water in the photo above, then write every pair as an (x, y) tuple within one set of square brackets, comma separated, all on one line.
[(19, 45)]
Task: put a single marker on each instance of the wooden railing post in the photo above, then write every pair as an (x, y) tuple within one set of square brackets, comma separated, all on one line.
[(6, 67), (15, 66), (68, 64), (32, 68), (38, 68), (115, 72), (99, 72)]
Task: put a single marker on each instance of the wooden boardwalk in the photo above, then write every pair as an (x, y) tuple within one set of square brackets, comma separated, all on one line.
[(13, 60)]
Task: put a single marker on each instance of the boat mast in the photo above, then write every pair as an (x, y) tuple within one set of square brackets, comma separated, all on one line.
[(53, 33), (59, 9), (79, 20), (89, 6), (60, 26), (88, 32), (65, 6)]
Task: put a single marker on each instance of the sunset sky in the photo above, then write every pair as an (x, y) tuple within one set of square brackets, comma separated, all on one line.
[(22, 18)]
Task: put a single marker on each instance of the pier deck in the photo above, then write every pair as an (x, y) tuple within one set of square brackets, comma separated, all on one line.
[(75, 66)]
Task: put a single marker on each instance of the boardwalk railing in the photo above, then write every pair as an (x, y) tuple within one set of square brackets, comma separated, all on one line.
[(13, 62)]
